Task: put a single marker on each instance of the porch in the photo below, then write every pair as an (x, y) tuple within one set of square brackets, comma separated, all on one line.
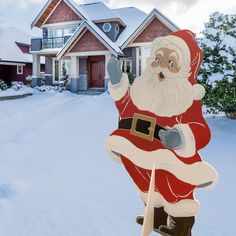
[(84, 72)]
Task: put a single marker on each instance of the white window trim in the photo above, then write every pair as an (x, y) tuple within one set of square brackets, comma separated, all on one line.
[(62, 24), (54, 59), (117, 28), (21, 72), (103, 27)]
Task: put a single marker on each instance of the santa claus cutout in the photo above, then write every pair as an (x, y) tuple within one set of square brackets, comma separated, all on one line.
[(161, 126)]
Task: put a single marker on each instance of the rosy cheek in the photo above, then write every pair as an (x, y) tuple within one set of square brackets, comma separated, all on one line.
[(154, 65)]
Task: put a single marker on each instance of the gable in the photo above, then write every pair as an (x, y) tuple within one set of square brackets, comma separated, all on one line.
[(62, 13), (87, 43), (46, 13), (153, 30)]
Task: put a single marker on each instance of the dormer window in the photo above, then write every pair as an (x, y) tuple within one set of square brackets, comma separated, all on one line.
[(106, 27)]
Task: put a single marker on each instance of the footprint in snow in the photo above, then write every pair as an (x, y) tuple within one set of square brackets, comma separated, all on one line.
[(10, 190)]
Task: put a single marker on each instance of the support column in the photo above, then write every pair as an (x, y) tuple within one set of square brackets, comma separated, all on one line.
[(74, 80), (36, 79), (106, 79)]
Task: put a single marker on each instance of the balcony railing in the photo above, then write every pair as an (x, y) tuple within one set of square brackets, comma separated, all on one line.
[(38, 44), (56, 42)]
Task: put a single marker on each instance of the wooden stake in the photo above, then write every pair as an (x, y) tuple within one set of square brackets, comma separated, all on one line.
[(148, 223)]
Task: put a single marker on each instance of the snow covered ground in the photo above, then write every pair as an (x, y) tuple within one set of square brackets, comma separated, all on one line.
[(56, 179), (10, 92)]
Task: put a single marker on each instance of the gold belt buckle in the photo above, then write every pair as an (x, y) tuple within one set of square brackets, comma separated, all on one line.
[(151, 128)]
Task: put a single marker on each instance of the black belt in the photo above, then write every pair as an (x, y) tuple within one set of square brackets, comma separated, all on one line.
[(141, 126)]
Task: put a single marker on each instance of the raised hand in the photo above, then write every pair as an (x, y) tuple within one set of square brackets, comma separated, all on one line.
[(114, 70)]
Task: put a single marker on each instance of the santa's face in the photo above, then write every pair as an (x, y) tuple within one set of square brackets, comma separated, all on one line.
[(163, 88), (166, 61)]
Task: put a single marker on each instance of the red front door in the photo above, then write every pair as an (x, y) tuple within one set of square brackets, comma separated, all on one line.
[(96, 71)]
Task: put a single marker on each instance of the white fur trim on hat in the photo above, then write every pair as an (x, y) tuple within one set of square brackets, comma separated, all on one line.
[(117, 91), (198, 91), (183, 208), (188, 148), (197, 173)]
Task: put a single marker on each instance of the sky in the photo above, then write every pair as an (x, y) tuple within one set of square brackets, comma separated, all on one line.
[(187, 14)]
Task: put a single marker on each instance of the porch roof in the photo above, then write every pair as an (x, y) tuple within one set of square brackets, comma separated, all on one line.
[(97, 33)]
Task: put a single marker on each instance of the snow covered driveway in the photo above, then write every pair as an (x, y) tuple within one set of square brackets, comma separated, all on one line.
[(56, 179)]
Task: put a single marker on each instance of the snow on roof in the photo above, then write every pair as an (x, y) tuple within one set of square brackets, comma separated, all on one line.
[(98, 11), (9, 51), (133, 18)]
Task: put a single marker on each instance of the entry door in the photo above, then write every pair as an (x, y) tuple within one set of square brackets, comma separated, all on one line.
[(96, 71)]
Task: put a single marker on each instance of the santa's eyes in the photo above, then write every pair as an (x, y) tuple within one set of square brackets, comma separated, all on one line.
[(158, 60), (171, 63)]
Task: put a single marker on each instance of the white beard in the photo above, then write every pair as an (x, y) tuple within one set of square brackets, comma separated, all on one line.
[(166, 98)]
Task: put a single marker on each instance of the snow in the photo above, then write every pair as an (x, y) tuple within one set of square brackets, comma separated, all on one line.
[(9, 51), (133, 18), (56, 179), (209, 43), (13, 92), (228, 41), (212, 31), (98, 11)]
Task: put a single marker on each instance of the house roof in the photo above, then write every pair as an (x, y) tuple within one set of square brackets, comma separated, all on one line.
[(99, 12), (51, 5), (133, 20), (97, 32), (130, 36), (9, 51)]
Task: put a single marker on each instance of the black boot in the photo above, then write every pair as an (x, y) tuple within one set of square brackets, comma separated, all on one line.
[(160, 218), (179, 226)]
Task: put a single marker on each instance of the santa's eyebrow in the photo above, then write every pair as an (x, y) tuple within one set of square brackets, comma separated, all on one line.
[(174, 54), (161, 52)]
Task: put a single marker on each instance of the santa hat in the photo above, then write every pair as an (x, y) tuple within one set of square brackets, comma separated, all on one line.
[(184, 43), (196, 60)]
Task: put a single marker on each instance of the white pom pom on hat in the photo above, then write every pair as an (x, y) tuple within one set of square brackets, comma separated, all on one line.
[(198, 91)]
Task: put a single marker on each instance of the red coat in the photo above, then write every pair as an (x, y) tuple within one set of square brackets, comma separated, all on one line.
[(169, 186)]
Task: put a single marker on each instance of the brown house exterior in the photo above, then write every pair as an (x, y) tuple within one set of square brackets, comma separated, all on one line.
[(80, 39)]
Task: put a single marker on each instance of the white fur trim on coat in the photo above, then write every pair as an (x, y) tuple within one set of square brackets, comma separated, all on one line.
[(117, 91), (198, 91), (183, 208), (188, 148), (196, 174)]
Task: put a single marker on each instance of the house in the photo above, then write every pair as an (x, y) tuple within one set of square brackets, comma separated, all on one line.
[(80, 39), (15, 58)]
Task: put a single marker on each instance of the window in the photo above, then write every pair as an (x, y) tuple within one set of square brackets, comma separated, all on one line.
[(62, 31), (69, 31), (117, 28), (142, 54), (19, 70), (106, 27), (127, 66), (61, 69)]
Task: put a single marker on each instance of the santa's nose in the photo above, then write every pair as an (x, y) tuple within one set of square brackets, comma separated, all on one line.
[(163, 64)]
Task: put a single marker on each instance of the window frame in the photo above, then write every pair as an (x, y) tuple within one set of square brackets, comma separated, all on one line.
[(104, 25), (21, 71)]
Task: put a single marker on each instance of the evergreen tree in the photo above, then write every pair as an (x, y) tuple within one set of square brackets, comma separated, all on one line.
[(3, 85), (218, 71)]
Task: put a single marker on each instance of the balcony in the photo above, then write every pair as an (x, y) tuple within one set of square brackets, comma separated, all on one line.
[(38, 44)]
